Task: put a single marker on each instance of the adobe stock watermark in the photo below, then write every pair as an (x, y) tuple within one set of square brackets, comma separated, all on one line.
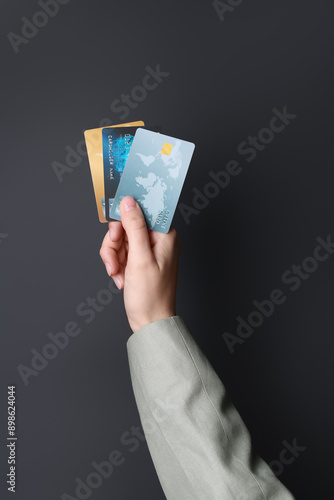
[(225, 7), (121, 107), (139, 93), (129, 441), (293, 278), (57, 342), (249, 148), (30, 28), (3, 236), (287, 456)]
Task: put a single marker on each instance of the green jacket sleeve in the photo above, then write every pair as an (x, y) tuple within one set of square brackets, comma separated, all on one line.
[(199, 444)]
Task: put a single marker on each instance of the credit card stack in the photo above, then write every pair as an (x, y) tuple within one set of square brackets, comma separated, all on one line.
[(129, 160)]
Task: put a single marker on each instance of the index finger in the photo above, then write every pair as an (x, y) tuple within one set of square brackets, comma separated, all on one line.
[(111, 245), (116, 233)]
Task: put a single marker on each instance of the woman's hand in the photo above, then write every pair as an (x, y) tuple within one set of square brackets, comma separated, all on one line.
[(144, 263)]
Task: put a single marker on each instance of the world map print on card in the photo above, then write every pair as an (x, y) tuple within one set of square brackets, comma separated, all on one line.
[(154, 175)]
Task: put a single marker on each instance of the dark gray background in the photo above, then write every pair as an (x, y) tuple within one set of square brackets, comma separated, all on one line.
[(225, 79)]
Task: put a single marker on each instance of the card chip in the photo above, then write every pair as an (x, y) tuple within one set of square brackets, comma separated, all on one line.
[(166, 149)]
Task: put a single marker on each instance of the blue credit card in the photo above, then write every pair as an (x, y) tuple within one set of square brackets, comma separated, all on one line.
[(116, 145), (154, 175), (103, 203)]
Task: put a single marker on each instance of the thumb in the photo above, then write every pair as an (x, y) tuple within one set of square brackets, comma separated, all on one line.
[(135, 227)]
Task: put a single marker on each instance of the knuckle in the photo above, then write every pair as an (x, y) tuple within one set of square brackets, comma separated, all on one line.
[(137, 224), (101, 253)]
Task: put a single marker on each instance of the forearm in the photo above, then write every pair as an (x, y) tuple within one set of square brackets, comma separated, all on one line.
[(199, 445)]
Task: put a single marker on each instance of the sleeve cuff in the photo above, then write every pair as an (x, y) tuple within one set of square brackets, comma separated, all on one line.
[(164, 325)]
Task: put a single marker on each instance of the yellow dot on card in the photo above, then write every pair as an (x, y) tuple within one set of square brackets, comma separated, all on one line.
[(166, 149)]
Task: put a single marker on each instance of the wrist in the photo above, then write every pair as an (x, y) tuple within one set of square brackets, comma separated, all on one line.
[(137, 324)]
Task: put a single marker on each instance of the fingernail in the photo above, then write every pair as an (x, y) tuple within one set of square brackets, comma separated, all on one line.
[(129, 203), (110, 233), (118, 283), (108, 268)]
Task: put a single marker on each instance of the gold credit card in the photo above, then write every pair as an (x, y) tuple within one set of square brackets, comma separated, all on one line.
[(93, 138)]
